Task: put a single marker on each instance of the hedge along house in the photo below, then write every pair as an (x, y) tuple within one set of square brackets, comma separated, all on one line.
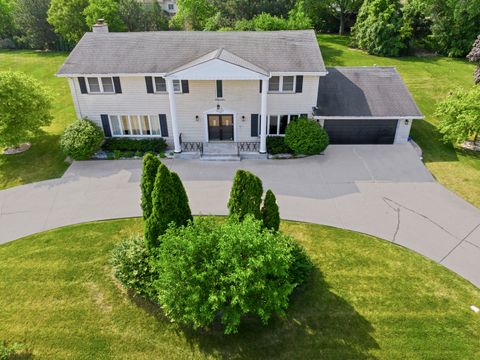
[(224, 91)]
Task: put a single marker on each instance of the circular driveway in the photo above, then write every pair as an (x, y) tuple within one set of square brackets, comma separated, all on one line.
[(384, 191)]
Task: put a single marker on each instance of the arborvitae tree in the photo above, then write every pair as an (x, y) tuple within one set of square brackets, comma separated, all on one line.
[(270, 213), (246, 195), (164, 205), (184, 214), (474, 56), (149, 173)]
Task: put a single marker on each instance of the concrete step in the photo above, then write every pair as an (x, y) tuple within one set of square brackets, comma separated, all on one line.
[(220, 148), (219, 157)]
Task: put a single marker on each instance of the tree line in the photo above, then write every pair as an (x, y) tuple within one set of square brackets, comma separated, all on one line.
[(382, 27)]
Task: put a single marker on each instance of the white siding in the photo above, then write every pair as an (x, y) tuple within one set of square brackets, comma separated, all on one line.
[(241, 97)]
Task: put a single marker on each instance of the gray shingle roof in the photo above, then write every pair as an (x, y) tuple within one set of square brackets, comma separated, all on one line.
[(162, 52), (365, 92)]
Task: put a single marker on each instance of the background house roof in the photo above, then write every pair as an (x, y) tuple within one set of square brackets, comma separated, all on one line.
[(162, 52), (365, 92)]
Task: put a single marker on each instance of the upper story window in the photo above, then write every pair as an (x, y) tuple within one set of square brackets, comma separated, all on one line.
[(219, 89), (161, 85), (281, 84), (100, 85), (171, 7)]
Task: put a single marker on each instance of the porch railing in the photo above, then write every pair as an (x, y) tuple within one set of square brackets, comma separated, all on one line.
[(248, 146)]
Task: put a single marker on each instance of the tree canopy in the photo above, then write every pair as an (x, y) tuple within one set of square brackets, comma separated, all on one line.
[(68, 19), (474, 56), (459, 115), (25, 106)]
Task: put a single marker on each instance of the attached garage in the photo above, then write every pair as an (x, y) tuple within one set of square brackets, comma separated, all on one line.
[(361, 131), (365, 105)]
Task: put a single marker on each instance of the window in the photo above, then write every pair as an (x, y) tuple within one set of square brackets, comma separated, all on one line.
[(171, 7), (219, 89), (281, 84), (100, 85), (273, 124), (274, 83), (93, 85), (177, 86), (277, 124), (135, 125), (115, 125), (288, 82), (160, 84)]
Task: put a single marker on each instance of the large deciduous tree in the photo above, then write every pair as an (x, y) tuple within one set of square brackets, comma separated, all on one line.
[(193, 14), (236, 10), (6, 18), (380, 28), (24, 107), (341, 10), (31, 22), (459, 115), (474, 56), (120, 15), (68, 19)]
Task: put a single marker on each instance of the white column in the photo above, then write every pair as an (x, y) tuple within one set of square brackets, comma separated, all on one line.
[(173, 114), (263, 117)]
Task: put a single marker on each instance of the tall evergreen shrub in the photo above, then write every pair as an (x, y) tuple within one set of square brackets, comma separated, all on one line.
[(246, 195), (183, 212), (270, 213), (149, 173)]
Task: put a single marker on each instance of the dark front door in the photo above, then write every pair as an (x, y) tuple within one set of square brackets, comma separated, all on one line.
[(361, 131), (220, 127)]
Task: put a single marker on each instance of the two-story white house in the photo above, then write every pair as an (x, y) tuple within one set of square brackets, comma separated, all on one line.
[(169, 6), (231, 87)]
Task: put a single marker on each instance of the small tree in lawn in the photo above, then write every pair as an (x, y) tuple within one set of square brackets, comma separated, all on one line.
[(24, 107), (459, 115), (246, 195), (270, 213), (474, 56), (149, 173), (164, 207), (184, 214)]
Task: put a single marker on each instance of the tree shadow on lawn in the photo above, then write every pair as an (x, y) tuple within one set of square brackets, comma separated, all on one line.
[(427, 136), (319, 324)]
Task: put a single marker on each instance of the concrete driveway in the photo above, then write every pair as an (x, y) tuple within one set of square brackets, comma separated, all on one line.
[(384, 191)]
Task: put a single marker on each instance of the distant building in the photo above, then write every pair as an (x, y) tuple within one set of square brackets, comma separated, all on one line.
[(169, 6)]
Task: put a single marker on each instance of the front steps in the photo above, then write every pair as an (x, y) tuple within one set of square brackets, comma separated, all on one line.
[(220, 151)]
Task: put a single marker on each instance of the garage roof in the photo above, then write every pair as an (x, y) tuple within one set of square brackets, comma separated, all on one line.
[(376, 92)]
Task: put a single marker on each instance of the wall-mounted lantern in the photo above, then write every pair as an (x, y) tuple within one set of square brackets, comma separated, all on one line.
[(406, 122), (243, 118), (197, 118)]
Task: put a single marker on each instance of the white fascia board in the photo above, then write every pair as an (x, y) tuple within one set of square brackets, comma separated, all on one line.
[(318, 117), (292, 73), (216, 70), (110, 75)]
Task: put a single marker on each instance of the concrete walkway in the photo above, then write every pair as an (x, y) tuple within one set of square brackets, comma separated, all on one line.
[(384, 191)]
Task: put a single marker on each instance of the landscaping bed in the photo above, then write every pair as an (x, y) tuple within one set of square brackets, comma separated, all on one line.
[(366, 299)]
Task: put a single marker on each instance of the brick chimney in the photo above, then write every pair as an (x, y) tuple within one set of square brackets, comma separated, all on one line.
[(100, 27)]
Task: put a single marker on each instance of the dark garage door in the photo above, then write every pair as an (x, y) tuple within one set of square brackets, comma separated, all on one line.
[(361, 131)]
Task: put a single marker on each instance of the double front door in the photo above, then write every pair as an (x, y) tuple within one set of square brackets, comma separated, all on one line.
[(220, 127)]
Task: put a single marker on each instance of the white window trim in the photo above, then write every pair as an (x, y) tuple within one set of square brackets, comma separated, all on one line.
[(166, 91), (100, 84), (280, 85), (142, 132), (278, 122)]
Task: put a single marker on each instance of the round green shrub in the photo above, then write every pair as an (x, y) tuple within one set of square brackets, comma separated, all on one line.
[(131, 264), (306, 137), (210, 269), (81, 139)]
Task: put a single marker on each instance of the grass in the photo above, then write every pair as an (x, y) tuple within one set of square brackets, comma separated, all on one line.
[(367, 299), (44, 160), (429, 79)]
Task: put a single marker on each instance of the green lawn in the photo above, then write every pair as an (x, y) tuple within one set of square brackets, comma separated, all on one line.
[(45, 159), (429, 79), (366, 299)]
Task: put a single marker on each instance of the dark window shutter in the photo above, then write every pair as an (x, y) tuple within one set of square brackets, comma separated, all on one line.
[(185, 88), (299, 85), (163, 124), (260, 87), (83, 85), (118, 86), (149, 83), (254, 125), (106, 126)]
